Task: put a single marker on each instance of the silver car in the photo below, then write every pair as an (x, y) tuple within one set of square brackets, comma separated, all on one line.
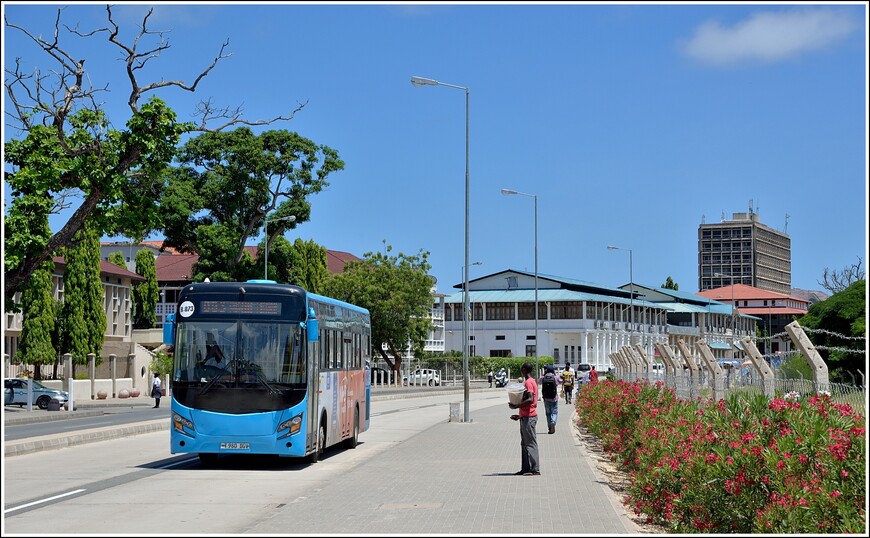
[(15, 393), (424, 376)]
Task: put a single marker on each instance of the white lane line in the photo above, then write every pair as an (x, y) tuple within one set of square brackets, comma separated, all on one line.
[(43, 501)]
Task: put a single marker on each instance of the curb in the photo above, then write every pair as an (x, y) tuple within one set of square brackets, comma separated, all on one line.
[(51, 442)]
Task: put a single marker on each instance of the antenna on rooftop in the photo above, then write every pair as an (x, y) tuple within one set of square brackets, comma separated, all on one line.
[(784, 230), (723, 216), (750, 206), (703, 219)]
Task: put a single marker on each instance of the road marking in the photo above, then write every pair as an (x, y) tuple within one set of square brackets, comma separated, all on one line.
[(43, 501)]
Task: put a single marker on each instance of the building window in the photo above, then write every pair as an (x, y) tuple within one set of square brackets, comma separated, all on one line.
[(500, 353), (499, 337), (567, 310), (499, 311), (530, 351), (527, 311)]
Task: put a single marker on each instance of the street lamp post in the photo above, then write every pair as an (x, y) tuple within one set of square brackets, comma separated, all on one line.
[(420, 82), (465, 295), (733, 306), (630, 291), (291, 218), (507, 192)]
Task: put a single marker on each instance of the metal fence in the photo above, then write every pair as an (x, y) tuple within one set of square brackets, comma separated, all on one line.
[(748, 382)]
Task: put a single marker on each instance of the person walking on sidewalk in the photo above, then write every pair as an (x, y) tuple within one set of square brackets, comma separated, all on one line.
[(528, 418), (156, 393), (593, 375), (549, 383), (567, 382)]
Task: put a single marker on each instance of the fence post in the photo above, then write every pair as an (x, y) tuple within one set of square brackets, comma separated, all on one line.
[(68, 379), (112, 366), (714, 368), (92, 360), (645, 361), (694, 369), (632, 366), (760, 365), (676, 366), (802, 341), (131, 364), (616, 359)]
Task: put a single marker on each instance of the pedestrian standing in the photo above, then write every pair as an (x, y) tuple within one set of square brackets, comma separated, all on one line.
[(528, 418), (593, 375), (567, 382), (549, 383), (156, 393), (490, 376)]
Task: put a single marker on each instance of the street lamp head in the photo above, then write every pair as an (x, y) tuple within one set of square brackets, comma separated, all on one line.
[(508, 191), (420, 81), (609, 247)]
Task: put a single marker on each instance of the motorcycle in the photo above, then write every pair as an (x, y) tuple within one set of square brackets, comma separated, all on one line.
[(501, 379)]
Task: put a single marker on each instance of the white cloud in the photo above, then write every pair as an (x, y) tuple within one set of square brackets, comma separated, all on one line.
[(768, 37)]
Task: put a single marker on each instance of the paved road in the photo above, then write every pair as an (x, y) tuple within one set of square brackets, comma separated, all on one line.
[(414, 473)]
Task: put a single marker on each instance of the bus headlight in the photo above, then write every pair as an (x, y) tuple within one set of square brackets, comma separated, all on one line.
[(182, 425), (293, 425)]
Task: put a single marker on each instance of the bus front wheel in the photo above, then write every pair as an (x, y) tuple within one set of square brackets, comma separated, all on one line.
[(320, 442), (208, 458)]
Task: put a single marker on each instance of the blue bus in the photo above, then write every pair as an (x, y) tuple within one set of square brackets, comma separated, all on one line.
[(266, 368)]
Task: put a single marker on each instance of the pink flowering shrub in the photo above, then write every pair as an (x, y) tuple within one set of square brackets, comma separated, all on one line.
[(740, 465)]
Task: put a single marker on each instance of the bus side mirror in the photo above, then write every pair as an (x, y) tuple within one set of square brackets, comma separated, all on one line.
[(169, 330), (313, 326)]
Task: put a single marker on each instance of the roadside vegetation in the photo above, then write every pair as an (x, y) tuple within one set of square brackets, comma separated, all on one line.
[(794, 464)]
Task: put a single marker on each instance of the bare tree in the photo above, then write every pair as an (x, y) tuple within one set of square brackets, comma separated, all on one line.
[(837, 281), (58, 108)]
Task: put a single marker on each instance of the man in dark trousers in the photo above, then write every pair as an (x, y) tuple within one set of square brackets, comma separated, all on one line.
[(156, 393), (549, 384), (528, 418)]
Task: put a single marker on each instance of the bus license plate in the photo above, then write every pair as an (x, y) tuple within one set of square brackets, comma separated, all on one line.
[(235, 446)]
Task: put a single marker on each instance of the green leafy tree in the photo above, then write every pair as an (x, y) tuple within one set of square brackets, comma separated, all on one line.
[(308, 266), (72, 151), (84, 312), (35, 345), (670, 284), (302, 263), (117, 258), (843, 318), (397, 291), (145, 294), (228, 184)]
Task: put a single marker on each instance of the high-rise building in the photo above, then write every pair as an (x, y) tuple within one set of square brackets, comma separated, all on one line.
[(743, 251)]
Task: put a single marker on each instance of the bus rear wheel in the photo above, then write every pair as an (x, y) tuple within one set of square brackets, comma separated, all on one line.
[(320, 442), (353, 440)]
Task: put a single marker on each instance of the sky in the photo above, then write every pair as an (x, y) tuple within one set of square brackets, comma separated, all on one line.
[(627, 124)]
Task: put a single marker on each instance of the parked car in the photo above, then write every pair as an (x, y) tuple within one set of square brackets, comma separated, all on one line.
[(15, 393), (381, 376), (423, 376)]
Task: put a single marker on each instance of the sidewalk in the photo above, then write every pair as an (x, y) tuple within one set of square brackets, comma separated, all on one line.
[(458, 478)]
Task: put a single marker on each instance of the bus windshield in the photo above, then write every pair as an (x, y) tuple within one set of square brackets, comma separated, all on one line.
[(258, 356)]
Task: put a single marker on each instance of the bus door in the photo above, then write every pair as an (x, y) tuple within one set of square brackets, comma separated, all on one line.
[(315, 355), (347, 393)]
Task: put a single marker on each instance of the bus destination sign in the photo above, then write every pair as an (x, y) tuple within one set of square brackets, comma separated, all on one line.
[(240, 307)]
